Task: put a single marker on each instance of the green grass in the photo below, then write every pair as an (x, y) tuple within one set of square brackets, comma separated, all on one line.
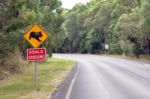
[(50, 74)]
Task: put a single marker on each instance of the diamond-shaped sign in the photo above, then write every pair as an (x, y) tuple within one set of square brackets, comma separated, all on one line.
[(35, 35)]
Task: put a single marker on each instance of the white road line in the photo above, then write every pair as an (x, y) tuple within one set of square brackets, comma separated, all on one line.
[(71, 85)]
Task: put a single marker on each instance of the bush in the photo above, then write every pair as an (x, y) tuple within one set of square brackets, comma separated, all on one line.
[(115, 48), (11, 63)]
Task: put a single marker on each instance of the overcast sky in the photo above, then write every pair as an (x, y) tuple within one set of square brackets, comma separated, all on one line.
[(70, 3)]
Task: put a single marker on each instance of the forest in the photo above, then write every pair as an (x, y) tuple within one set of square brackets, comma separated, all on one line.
[(121, 24)]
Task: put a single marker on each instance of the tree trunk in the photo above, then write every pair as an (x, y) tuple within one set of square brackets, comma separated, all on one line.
[(148, 46)]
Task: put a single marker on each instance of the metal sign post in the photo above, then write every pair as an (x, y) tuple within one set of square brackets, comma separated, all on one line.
[(36, 76), (106, 48)]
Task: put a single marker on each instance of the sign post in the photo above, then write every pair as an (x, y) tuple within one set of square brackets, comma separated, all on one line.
[(36, 76), (106, 48), (36, 36)]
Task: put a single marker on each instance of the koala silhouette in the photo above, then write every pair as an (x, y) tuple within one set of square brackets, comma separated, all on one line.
[(35, 35)]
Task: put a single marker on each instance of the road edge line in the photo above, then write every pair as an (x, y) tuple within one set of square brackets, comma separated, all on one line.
[(71, 84)]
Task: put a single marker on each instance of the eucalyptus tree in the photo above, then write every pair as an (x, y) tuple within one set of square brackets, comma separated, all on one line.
[(146, 24)]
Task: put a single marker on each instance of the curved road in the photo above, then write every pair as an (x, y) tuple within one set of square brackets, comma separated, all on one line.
[(103, 77)]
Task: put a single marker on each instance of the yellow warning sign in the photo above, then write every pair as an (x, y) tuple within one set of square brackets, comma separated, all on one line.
[(35, 35)]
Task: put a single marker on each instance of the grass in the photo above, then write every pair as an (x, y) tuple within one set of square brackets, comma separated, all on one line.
[(50, 74)]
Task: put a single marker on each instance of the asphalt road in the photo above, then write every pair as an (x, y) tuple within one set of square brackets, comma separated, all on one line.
[(103, 77)]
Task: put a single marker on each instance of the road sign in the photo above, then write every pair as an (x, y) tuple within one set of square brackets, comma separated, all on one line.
[(106, 46), (35, 35), (36, 54)]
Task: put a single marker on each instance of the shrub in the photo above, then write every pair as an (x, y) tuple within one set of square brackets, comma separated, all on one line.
[(11, 63)]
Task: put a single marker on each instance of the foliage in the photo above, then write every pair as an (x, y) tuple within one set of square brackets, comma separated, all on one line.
[(123, 24), (16, 16)]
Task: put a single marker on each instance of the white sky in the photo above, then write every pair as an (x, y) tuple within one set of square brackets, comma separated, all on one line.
[(70, 3)]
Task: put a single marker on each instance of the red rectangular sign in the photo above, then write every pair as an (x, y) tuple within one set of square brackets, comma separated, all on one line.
[(36, 54)]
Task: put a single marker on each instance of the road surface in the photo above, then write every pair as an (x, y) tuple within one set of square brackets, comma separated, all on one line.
[(103, 77)]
